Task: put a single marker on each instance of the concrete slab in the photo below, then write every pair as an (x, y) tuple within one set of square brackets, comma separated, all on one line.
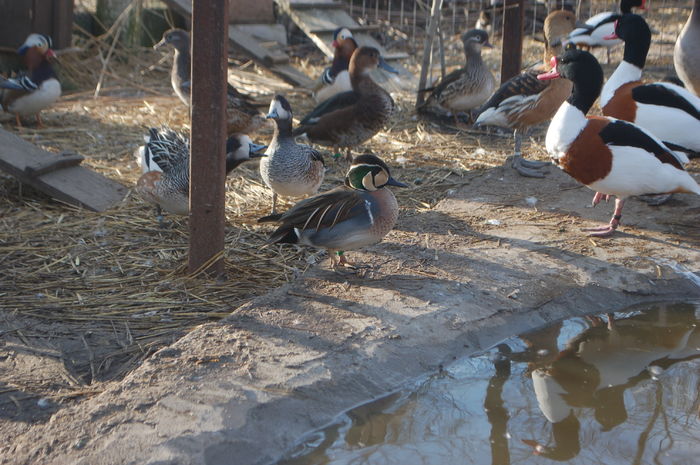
[(483, 265)]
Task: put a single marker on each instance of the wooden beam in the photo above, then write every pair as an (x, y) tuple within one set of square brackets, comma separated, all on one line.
[(512, 56), (208, 141), (428, 49), (59, 176)]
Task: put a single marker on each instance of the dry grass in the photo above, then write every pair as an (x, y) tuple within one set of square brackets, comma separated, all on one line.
[(117, 273)]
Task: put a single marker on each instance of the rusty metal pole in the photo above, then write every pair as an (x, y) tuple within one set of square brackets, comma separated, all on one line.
[(512, 56), (208, 140)]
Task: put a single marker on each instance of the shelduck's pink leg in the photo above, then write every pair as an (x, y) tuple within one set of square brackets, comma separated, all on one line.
[(598, 197), (606, 231)]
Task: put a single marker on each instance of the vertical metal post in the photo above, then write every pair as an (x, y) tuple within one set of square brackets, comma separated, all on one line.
[(428, 49), (511, 58), (208, 140)]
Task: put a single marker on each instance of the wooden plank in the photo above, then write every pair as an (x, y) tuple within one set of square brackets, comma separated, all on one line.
[(76, 185), (354, 29), (61, 161), (255, 47), (208, 141), (511, 57)]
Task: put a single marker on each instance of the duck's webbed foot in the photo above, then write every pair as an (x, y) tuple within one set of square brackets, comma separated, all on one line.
[(528, 168)]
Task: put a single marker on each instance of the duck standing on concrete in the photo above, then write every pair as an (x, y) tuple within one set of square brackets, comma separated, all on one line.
[(466, 88), (686, 53), (593, 32), (610, 156), (165, 163), (290, 169), (350, 118), (30, 93), (336, 78), (242, 114), (670, 112), (355, 215), (523, 101)]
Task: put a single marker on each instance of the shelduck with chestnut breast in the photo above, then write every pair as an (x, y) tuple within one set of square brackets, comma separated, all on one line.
[(686, 53), (350, 118), (290, 169), (336, 78), (669, 111), (30, 93), (242, 114), (465, 88), (610, 156), (165, 163), (523, 101), (349, 217), (593, 32)]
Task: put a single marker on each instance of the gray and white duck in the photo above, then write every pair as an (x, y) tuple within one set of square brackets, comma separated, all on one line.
[(290, 169)]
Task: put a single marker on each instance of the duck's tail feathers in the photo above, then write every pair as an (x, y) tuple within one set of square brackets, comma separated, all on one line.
[(284, 235), (270, 218)]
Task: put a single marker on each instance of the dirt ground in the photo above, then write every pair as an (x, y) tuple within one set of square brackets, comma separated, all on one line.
[(479, 253)]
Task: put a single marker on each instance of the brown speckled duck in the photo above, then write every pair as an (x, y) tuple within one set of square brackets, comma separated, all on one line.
[(242, 115), (465, 88), (350, 118)]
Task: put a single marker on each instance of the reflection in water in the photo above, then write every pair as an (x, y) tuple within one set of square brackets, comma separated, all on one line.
[(587, 390)]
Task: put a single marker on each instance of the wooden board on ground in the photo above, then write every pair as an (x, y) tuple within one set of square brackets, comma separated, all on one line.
[(319, 18), (59, 176), (268, 53)]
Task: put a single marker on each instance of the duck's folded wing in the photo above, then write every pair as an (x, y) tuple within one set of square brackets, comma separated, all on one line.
[(168, 149), (668, 95), (524, 84), (21, 83), (622, 133), (337, 102), (446, 81), (318, 212)]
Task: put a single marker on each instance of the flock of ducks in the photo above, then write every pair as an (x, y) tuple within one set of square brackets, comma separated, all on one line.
[(639, 146)]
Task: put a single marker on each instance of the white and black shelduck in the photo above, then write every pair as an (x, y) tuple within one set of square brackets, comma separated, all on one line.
[(669, 111), (593, 32), (610, 156)]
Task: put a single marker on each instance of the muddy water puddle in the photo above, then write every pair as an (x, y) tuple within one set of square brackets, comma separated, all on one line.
[(609, 389)]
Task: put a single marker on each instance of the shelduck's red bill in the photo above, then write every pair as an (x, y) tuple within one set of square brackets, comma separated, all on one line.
[(643, 6), (552, 73), (614, 35), (335, 44)]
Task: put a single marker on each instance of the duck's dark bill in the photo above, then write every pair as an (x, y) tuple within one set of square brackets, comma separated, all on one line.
[(256, 149), (394, 182), (384, 65)]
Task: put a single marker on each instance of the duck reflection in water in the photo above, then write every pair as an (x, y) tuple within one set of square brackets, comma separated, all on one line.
[(598, 365)]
